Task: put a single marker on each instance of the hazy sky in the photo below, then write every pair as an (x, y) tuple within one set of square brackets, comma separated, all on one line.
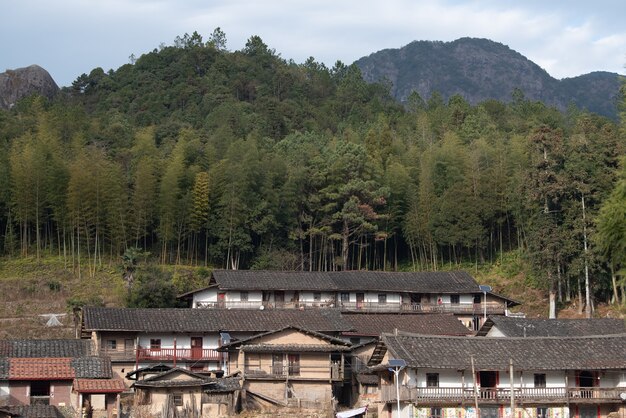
[(70, 37)]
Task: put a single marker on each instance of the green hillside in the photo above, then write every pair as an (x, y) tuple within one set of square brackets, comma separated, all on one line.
[(201, 156)]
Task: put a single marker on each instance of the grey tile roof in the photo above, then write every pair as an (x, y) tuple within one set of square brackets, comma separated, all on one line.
[(538, 327), (417, 282), (432, 324), (209, 384), (34, 411), (247, 341), (4, 368), (294, 348), (92, 367), (536, 353), (45, 348), (210, 320)]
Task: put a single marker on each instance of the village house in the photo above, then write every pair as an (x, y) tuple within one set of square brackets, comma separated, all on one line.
[(60, 373), (291, 366), (453, 292), (188, 338), (500, 326), (583, 377), (179, 391)]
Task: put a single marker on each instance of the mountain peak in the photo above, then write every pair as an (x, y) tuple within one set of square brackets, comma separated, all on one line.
[(480, 69)]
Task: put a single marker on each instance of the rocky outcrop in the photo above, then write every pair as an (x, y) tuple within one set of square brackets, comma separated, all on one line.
[(22, 82)]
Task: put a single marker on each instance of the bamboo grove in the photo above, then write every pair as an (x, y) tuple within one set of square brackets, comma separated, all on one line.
[(241, 159)]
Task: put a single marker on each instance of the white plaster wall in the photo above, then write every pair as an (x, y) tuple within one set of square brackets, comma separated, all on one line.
[(620, 378), (307, 297), (495, 332), (182, 340), (392, 298), (447, 378), (207, 295)]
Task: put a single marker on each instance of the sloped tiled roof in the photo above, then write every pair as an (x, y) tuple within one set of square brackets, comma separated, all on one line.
[(535, 353), (34, 411), (45, 348), (256, 337), (210, 320), (41, 369), (92, 367), (539, 327), (417, 282), (432, 324), (193, 379), (51, 368), (273, 280), (294, 348), (99, 385)]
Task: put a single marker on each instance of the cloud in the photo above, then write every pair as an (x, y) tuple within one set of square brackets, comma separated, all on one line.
[(69, 37)]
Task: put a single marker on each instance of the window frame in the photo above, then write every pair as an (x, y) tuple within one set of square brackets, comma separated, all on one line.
[(432, 380), (540, 380), (177, 399), (155, 344), (382, 298)]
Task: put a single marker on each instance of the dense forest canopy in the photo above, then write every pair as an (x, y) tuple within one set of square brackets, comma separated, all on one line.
[(241, 159)]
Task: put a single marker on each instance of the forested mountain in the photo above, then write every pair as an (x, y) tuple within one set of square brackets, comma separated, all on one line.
[(479, 70), (241, 159)]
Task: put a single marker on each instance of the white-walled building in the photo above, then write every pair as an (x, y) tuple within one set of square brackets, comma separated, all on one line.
[(557, 377), (453, 292)]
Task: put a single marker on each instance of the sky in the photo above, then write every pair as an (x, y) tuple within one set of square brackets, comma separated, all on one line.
[(567, 38)]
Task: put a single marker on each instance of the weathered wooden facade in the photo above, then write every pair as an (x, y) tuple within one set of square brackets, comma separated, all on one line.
[(188, 393), (290, 366)]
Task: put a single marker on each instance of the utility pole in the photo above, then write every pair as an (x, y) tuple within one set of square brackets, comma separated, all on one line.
[(475, 388), (512, 388)]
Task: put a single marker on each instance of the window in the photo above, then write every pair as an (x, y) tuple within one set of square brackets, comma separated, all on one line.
[(129, 345), (252, 362), (542, 412), (155, 344), (243, 296), (455, 299), (294, 364), (432, 380), (435, 412), (317, 297), (382, 298), (540, 380), (111, 344), (345, 297), (178, 399)]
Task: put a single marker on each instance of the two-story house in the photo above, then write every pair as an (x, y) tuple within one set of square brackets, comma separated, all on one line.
[(291, 366), (453, 292), (189, 338), (439, 376)]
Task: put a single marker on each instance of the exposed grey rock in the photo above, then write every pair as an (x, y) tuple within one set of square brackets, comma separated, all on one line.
[(22, 82)]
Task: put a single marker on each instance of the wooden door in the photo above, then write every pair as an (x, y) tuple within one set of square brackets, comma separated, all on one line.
[(196, 347), (279, 298), (360, 298)]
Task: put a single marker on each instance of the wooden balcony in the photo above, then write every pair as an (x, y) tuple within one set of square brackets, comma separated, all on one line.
[(332, 372), (177, 354), (163, 354), (487, 396), (492, 308)]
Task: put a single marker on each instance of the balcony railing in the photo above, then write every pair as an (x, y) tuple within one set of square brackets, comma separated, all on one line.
[(163, 354), (492, 308), (177, 354), (295, 372), (442, 395)]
